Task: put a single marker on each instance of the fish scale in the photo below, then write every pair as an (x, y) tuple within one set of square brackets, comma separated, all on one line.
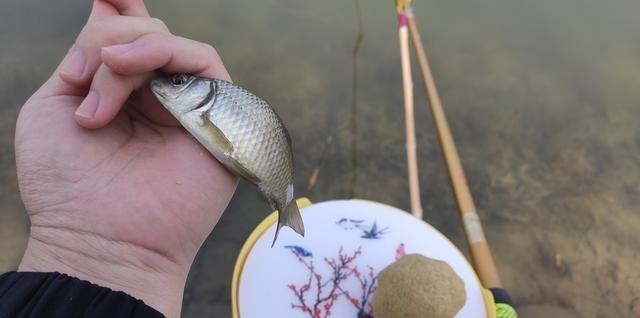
[(239, 129), (230, 113)]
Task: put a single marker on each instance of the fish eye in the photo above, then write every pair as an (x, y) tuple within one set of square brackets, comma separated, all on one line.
[(179, 79)]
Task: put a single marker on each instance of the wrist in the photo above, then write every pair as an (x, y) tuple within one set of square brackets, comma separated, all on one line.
[(135, 270)]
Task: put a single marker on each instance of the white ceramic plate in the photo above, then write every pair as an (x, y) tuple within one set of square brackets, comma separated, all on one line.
[(331, 272)]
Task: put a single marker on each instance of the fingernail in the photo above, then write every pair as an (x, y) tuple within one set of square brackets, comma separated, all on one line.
[(118, 49), (74, 63), (89, 106)]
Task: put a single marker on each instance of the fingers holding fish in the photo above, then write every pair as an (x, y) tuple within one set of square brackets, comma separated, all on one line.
[(109, 93), (118, 54), (82, 61), (101, 105), (166, 52), (128, 68), (74, 73)]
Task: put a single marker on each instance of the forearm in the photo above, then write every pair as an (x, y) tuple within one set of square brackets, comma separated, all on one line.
[(141, 273)]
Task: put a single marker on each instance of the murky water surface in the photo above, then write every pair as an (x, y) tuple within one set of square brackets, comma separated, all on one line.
[(542, 97)]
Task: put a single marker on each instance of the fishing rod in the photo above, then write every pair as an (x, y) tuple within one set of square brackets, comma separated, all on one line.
[(407, 84), (481, 256), (315, 173)]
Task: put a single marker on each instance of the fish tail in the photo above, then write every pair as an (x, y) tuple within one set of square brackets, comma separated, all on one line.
[(289, 216)]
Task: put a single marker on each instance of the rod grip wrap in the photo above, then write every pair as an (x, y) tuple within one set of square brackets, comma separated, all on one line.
[(402, 19), (504, 306)]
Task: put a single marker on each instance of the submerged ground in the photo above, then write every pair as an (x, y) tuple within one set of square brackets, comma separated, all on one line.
[(542, 97)]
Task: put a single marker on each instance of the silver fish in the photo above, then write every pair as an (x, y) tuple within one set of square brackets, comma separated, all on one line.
[(242, 131)]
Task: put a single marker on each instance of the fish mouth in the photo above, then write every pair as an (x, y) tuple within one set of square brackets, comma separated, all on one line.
[(156, 88), (161, 96)]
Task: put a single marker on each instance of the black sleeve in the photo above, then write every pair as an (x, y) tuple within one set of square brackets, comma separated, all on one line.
[(31, 294)]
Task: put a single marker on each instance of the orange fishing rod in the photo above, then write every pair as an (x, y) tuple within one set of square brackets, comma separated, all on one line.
[(481, 256)]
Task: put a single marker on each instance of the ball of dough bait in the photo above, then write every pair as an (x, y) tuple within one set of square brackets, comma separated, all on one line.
[(418, 287)]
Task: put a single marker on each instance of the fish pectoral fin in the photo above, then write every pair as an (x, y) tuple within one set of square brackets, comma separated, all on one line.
[(243, 172), (225, 145), (216, 135)]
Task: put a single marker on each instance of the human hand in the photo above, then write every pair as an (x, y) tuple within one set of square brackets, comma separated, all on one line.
[(117, 192)]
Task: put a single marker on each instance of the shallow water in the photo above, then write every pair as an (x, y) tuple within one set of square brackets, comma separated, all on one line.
[(542, 97)]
